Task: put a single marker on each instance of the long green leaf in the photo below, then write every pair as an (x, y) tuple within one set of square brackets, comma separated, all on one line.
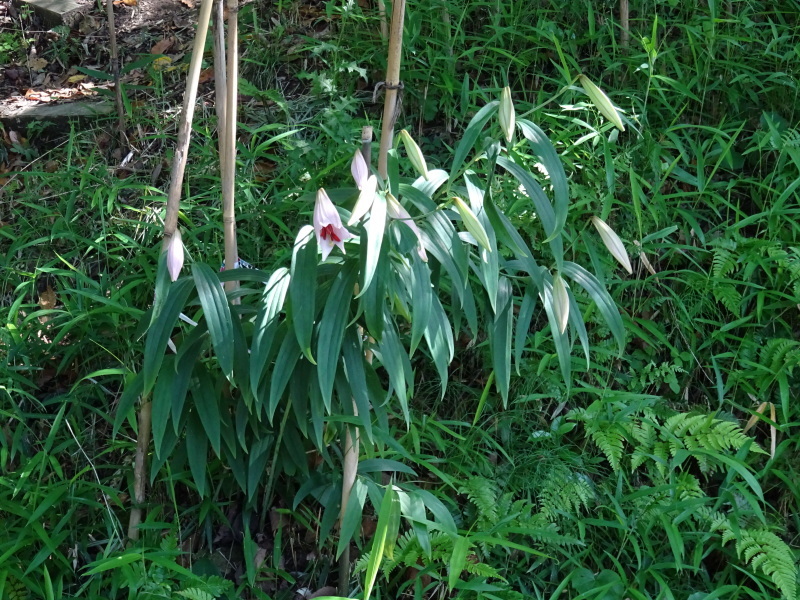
[(185, 361), (545, 150), (490, 258), (287, 358), (217, 314), (439, 338), (390, 507), (265, 324), (160, 330), (375, 228), (500, 338), (356, 377), (352, 515), (331, 328), (470, 136), (303, 288), (162, 403), (422, 295), (524, 318), (544, 210), (207, 407), (197, 451), (391, 356), (600, 296), (458, 560)]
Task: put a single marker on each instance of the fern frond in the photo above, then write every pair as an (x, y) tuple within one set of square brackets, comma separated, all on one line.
[(765, 551), (196, 594)]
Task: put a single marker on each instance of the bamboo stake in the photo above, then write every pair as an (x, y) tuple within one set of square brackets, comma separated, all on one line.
[(185, 129), (140, 470), (220, 78), (112, 38), (625, 22), (170, 225), (392, 85), (229, 146), (384, 24)]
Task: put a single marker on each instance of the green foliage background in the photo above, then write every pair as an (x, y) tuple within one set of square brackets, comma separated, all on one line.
[(634, 481)]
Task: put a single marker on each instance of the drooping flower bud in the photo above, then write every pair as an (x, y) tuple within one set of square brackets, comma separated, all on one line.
[(328, 225), (602, 102), (613, 243), (506, 114), (396, 211), (359, 169), (175, 255), (414, 154), (560, 302)]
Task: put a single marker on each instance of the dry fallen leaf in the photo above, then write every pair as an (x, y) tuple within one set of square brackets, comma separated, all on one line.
[(162, 46), (125, 2), (76, 78), (206, 75), (47, 301), (188, 3), (37, 64)]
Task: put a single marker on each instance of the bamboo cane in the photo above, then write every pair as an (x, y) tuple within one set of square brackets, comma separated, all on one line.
[(112, 40), (229, 146), (185, 128), (170, 225), (624, 22), (392, 85)]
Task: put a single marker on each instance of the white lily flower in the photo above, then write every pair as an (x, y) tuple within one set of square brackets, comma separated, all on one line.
[(328, 225), (396, 211)]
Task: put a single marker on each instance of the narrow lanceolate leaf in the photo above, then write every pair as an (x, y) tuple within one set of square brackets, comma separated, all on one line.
[(560, 303), (506, 114), (613, 243), (549, 158), (490, 259), (601, 297), (217, 313), (439, 337), (602, 102), (472, 224), (266, 322), (303, 287), (331, 329), (470, 136), (205, 403), (414, 154), (375, 228), (500, 338), (160, 330), (365, 200), (560, 339), (458, 560), (524, 318), (353, 355), (285, 362), (387, 516), (421, 300)]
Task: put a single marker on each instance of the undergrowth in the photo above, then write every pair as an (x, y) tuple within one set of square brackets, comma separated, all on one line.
[(637, 480)]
